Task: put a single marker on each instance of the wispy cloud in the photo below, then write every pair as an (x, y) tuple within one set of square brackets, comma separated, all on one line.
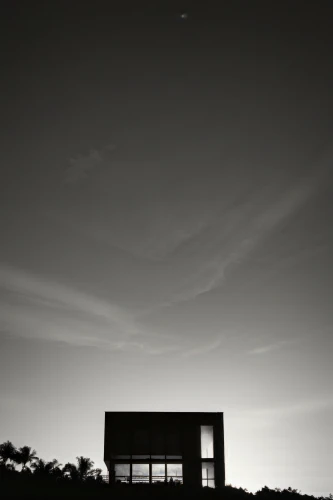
[(80, 166), (203, 349), (54, 295), (164, 227), (251, 229), (41, 325), (264, 349), (33, 307)]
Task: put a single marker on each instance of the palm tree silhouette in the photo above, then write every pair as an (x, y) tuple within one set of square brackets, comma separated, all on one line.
[(71, 471), (83, 470), (24, 456), (46, 469), (7, 452)]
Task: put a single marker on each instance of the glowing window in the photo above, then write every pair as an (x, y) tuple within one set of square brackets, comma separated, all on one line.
[(208, 474), (158, 473), (175, 472), (122, 472), (140, 473), (207, 441)]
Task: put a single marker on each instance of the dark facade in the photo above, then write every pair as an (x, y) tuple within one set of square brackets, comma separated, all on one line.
[(150, 447)]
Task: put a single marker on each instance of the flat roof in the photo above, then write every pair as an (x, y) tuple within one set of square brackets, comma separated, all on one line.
[(170, 412), (164, 413)]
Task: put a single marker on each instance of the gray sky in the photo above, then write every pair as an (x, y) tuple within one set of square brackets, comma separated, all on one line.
[(166, 228)]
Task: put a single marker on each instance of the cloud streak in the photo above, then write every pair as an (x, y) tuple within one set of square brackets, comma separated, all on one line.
[(203, 349), (36, 308), (75, 331), (251, 229), (270, 347), (79, 167), (41, 292), (33, 307)]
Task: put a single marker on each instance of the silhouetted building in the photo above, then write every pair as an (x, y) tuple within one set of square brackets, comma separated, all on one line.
[(150, 447)]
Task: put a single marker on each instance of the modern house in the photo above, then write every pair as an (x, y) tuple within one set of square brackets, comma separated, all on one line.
[(152, 447)]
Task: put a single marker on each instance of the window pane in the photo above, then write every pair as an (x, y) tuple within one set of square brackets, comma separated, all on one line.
[(158, 472), (122, 469), (208, 470), (208, 482), (158, 469), (175, 471), (140, 469), (140, 473), (207, 441), (140, 457)]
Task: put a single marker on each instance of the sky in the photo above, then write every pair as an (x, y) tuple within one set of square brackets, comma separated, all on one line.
[(166, 227)]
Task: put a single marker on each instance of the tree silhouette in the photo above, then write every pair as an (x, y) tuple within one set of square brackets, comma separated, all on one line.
[(46, 469), (25, 455), (83, 473), (83, 470), (7, 452), (71, 471)]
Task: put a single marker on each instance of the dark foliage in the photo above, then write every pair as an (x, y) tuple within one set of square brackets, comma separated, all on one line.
[(43, 480)]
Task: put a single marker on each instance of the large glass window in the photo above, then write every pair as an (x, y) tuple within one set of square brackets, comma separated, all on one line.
[(208, 474), (158, 473), (175, 472), (207, 441), (122, 473), (140, 473)]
